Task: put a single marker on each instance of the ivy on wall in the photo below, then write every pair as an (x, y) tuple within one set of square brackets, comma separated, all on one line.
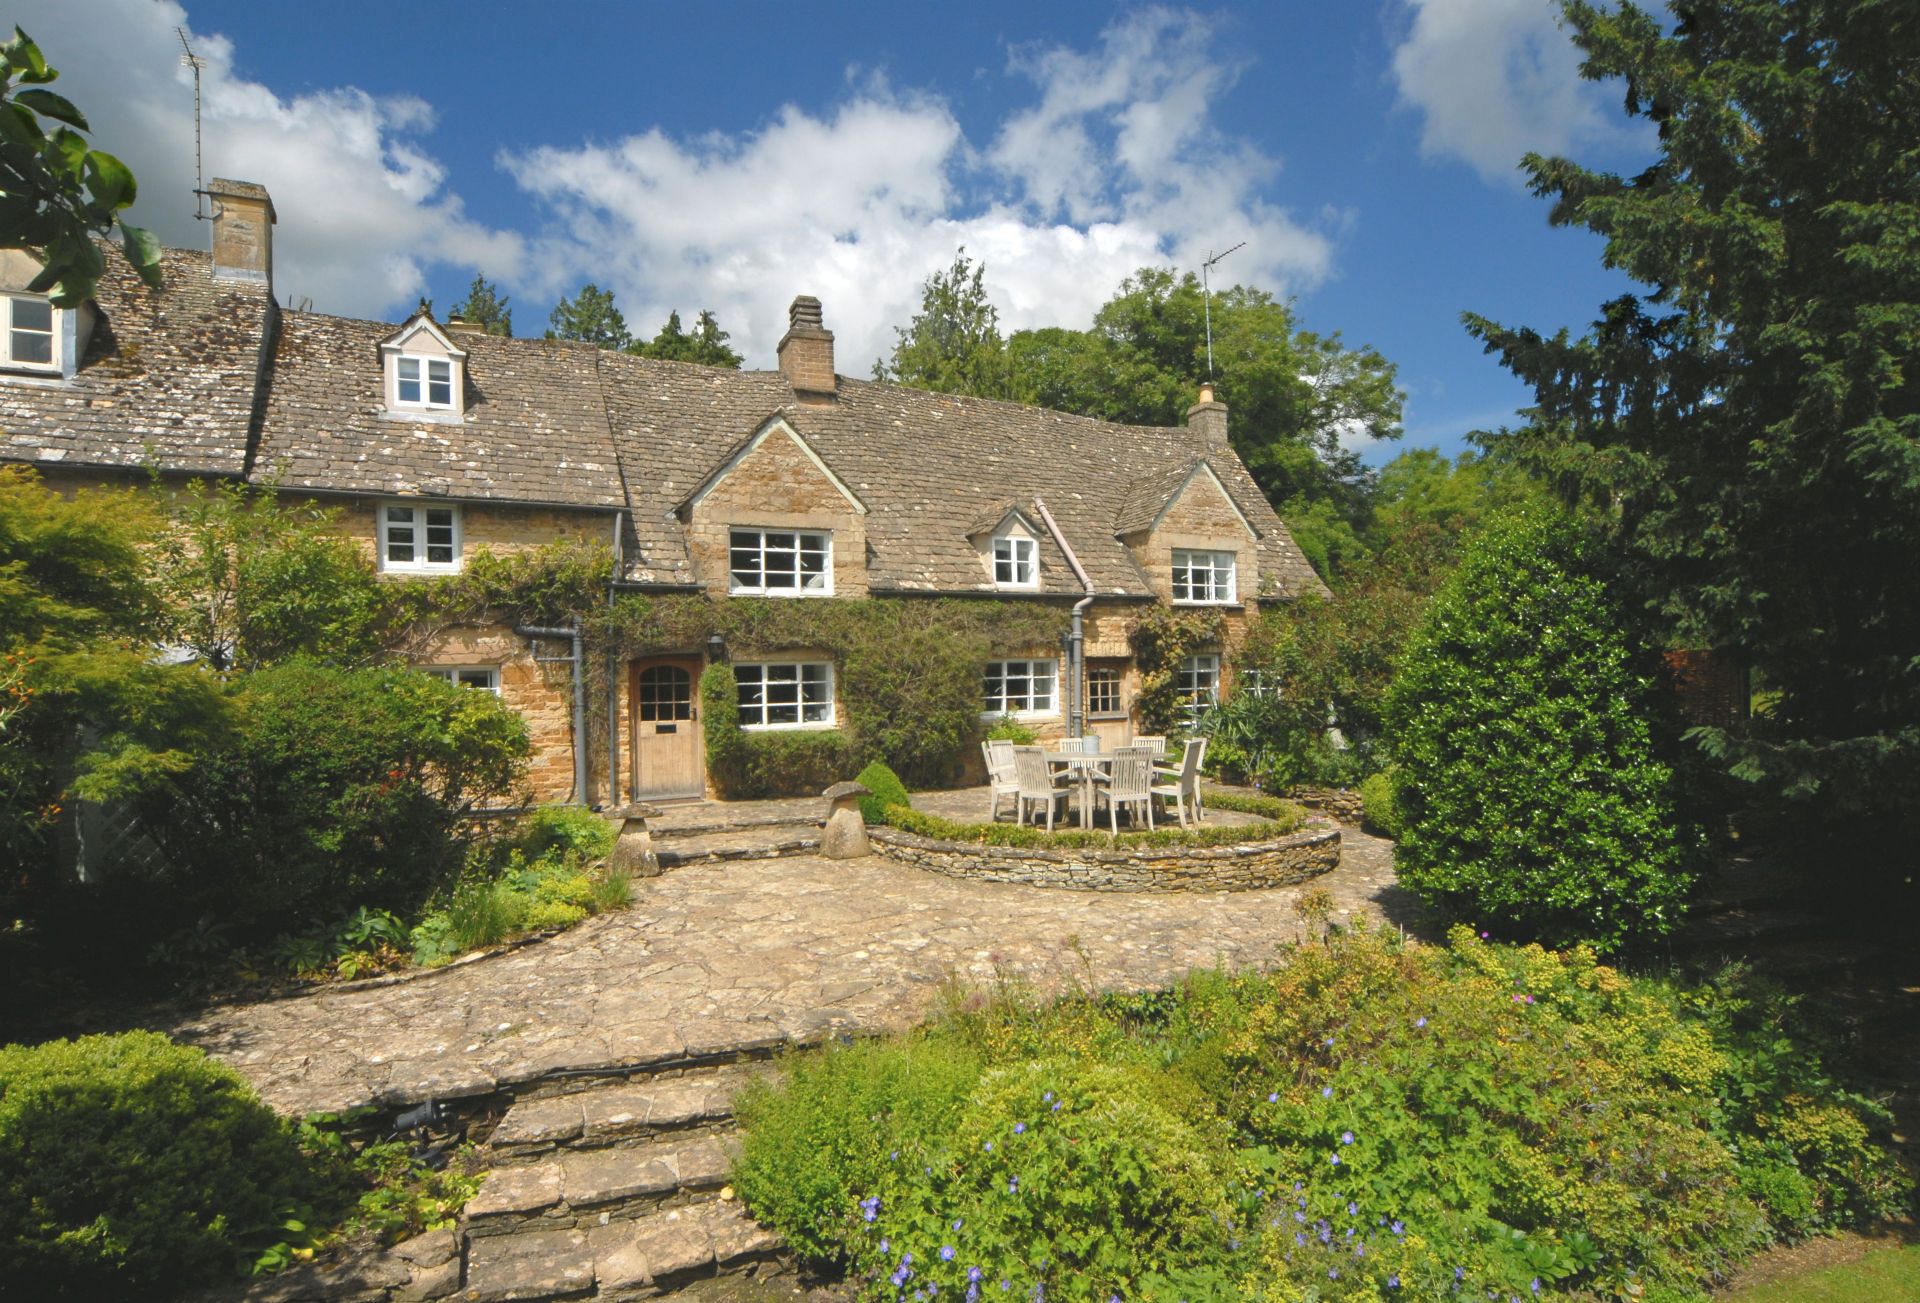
[(1162, 639)]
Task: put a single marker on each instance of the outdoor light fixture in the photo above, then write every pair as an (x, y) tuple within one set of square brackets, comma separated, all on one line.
[(716, 648)]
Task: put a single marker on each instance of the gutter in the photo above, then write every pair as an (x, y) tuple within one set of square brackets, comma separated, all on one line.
[(577, 658), (1077, 639)]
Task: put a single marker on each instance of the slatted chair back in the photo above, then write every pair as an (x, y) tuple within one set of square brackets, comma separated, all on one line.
[(1132, 775), (999, 753), (1077, 746), (1030, 771), (1158, 745)]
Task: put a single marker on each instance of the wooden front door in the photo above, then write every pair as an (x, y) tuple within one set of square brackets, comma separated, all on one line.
[(1108, 710), (668, 756)]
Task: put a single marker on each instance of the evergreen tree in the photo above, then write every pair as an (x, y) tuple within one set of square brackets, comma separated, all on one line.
[(590, 318), (705, 344), (1752, 419), (487, 308), (953, 344)]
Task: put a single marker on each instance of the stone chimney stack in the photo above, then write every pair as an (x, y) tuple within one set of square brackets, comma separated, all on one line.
[(1208, 419), (242, 231), (459, 325), (806, 351)]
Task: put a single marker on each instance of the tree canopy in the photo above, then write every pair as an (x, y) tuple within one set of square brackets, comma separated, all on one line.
[(953, 344), (486, 307), (706, 343), (55, 193), (1751, 418), (590, 318)]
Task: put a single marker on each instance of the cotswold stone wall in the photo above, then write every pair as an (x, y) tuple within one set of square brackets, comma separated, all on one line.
[(1249, 866), (1343, 803)]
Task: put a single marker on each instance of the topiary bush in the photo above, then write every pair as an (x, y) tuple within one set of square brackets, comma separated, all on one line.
[(135, 1167), (1529, 733), (886, 791), (1377, 809)]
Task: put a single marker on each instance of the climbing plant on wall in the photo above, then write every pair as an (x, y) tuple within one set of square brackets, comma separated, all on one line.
[(1161, 641)]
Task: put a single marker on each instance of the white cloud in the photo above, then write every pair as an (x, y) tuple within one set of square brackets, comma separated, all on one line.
[(362, 206), (1116, 166), (1497, 78)]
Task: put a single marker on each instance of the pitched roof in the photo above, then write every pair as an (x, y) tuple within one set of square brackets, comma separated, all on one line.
[(534, 429), (1151, 495), (167, 378)]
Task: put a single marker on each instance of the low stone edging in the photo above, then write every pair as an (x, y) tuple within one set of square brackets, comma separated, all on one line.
[(1343, 803), (1245, 866)]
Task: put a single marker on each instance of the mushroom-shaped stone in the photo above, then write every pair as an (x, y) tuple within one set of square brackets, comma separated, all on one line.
[(846, 834), (633, 849)]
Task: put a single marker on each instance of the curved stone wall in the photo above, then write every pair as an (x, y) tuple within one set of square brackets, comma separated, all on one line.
[(1247, 866)]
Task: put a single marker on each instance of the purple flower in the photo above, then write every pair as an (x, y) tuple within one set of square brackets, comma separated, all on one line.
[(1047, 1098), (973, 1275), (989, 1146), (1056, 1107), (1333, 1273), (1353, 1210), (1019, 1128), (946, 1253), (901, 1275), (1274, 1098), (1393, 1281), (1013, 1185), (870, 1207), (1535, 1287), (1421, 1021), (1459, 1273), (1299, 1237), (1326, 1092), (1334, 1159), (1398, 1228), (885, 1244), (1346, 1137), (956, 1224)]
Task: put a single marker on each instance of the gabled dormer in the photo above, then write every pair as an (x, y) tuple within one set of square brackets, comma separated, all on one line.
[(37, 340), (1008, 539), (423, 372), (1190, 537), (773, 519)]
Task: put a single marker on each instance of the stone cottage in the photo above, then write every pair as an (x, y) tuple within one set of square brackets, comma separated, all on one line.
[(436, 442)]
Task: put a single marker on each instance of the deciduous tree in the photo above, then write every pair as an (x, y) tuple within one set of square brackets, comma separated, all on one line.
[(953, 344)]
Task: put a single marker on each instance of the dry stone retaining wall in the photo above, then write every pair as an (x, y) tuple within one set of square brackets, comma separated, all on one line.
[(1248, 866)]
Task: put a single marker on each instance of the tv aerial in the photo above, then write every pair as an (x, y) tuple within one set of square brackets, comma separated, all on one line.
[(1206, 287), (189, 59)]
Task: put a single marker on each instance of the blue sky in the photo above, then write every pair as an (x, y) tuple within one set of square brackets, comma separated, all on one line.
[(732, 155)]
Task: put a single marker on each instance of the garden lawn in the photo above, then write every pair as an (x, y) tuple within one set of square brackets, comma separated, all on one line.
[(1884, 1275)]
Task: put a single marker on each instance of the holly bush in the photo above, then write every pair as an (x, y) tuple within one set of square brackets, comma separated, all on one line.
[(1528, 725)]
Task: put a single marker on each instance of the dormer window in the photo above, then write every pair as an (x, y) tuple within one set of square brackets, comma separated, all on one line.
[(422, 373), (423, 381), (30, 338), (1203, 578), (415, 537), (1015, 563)]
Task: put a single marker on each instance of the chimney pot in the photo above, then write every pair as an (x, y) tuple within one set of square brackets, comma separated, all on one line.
[(1208, 419), (806, 351), (243, 220)]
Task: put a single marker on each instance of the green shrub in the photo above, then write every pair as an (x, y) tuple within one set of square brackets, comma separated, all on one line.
[(539, 915), (886, 791), (612, 890), (1378, 811), (1272, 808), (932, 826), (481, 914), (1008, 729), (749, 766), (1527, 731), (134, 1168), (565, 829), (342, 789)]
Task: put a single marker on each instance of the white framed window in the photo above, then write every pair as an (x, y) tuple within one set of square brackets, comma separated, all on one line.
[(785, 694), (31, 337), (1199, 682), (1015, 562), (419, 537), (483, 678), (1202, 576), (780, 562), (1021, 688), (422, 381)]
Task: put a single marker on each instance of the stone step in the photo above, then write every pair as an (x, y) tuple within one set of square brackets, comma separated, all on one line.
[(764, 843), (578, 1189), (643, 1258), (624, 1113)]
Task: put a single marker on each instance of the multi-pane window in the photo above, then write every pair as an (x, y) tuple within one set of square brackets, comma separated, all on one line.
[(486, 678), (1021, 688), (796, 694), (1202, 576), (1199, 682), (29, 334), (1103, 691), (1013, 562), (423, 381), (780, 562), (419, 538)]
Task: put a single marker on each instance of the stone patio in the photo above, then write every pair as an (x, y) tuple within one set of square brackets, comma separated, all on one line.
[(716, 960)]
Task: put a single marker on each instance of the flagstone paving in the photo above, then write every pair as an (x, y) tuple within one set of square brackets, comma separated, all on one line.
[(721, 958)]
